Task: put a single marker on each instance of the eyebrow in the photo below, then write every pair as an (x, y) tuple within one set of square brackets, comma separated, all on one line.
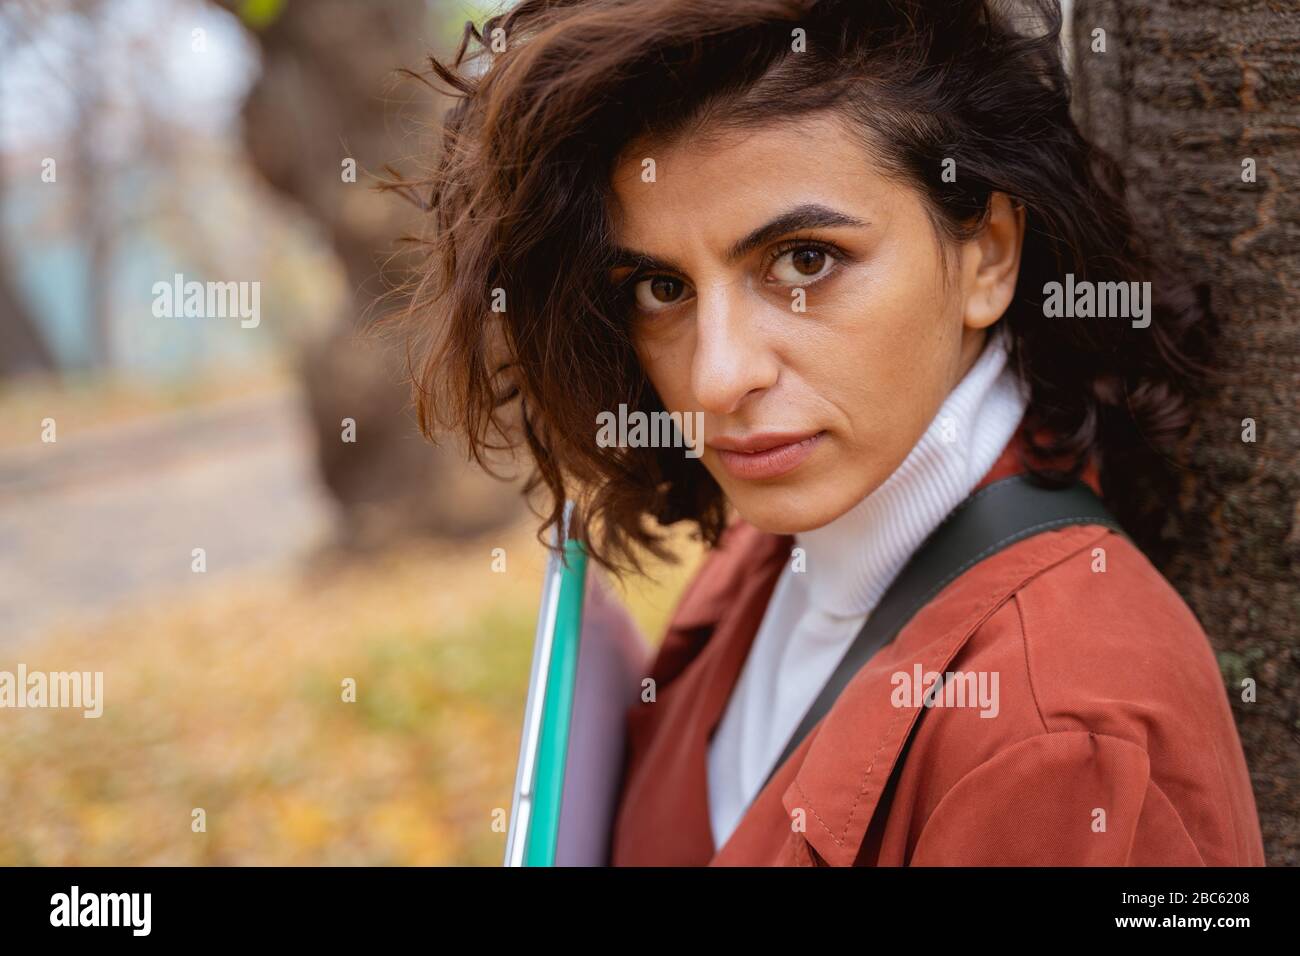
[(806, 216)]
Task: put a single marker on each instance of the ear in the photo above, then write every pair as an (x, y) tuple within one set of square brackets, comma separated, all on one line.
[(991, 263)]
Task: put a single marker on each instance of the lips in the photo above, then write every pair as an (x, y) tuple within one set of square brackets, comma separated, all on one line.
[(767, 455)]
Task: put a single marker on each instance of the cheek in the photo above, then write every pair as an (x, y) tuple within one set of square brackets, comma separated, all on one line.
[(666, 364), (884, 348)]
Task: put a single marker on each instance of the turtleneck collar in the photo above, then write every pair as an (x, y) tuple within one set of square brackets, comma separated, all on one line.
[(852, 560)]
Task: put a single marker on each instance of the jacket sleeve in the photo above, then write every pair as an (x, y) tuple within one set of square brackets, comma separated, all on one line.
[(1057, 799)]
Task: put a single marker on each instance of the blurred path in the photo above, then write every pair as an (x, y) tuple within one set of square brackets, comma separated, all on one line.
[(112, 515)]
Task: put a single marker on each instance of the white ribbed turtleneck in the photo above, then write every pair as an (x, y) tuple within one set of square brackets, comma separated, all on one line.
[(813, 615)]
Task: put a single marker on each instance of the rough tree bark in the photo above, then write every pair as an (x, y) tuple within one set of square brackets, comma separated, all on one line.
[(1185, 92)]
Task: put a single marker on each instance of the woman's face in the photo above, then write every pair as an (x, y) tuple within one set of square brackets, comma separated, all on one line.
[(794, 295)]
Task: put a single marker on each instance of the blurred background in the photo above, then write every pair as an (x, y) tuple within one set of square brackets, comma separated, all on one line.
[(238, 141)]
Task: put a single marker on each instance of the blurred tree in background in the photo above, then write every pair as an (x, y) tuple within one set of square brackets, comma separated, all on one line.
[(22, 349), (323, 115)]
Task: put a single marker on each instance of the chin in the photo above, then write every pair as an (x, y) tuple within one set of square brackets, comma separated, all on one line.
[(787, 510)]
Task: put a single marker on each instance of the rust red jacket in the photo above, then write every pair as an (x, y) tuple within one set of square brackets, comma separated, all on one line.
[(1113, 742)]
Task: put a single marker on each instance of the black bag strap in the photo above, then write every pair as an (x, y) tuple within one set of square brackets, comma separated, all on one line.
[(996, 516)]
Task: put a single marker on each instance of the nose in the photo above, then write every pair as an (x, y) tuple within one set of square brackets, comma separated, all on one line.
[(732, 360)]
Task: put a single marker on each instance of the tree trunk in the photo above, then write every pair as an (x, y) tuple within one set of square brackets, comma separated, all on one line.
[(1185, 92), (324, 95), (22, 349)]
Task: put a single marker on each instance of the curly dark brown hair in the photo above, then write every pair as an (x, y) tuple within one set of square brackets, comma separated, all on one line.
[(519, 194)]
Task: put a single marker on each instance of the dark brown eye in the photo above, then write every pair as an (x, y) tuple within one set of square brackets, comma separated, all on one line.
[(665, 288), (808, 261), (799, 264), (659, 292)]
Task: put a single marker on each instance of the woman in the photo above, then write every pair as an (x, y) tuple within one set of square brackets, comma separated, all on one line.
[(835, 235)]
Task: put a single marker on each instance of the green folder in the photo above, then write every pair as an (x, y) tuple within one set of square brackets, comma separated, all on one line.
[(548, 713)]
